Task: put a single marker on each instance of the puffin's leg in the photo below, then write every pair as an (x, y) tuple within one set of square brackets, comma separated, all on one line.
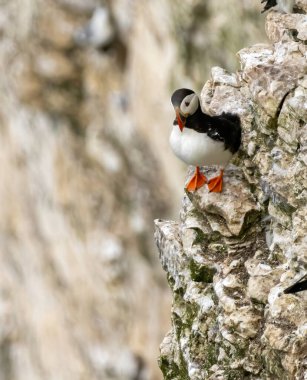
[(215, 184), (198, 180)]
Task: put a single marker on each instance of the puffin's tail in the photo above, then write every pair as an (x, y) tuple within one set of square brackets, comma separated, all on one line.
[(236, 129), (298, 286)]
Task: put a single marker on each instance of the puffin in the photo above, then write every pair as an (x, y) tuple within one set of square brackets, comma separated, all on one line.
[(299, 286), (202, 140), (285, 6)]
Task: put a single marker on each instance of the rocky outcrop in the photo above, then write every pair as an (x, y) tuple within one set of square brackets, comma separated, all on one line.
[(85, 168), (231, 255)]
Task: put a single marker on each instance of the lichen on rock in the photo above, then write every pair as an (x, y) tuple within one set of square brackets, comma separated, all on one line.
[(231, 255)]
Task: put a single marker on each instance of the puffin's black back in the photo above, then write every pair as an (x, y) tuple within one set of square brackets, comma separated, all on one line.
[(225, 127), (228, 128)]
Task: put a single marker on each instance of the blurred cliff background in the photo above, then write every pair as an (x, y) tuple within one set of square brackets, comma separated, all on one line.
[(85, 167)]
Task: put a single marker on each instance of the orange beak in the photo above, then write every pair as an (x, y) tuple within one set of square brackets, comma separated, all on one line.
[(180, 122)]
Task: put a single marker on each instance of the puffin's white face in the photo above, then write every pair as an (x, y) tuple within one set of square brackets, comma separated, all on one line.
[(189, 104)]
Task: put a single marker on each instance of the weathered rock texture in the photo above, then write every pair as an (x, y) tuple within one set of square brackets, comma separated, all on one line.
[(85, 168), (232, 254)]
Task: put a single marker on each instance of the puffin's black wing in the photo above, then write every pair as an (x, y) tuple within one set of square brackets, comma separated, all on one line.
[(215, 133), (226, 127), (269, 4), (298, 286)]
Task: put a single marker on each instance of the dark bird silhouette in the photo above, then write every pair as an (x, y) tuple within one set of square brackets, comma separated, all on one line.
[(299, 286)]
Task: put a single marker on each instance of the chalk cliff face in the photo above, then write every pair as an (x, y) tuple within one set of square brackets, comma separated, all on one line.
[(85, 167), (76, 198), (231, 255)]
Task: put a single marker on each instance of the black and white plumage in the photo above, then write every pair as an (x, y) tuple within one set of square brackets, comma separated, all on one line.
[(299, 286), (200, 139), (285, 6)]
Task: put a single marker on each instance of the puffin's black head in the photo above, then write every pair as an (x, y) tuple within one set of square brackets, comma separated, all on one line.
[(185, 103)]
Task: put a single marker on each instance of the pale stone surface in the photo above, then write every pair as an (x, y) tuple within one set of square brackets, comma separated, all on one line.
[(85, 168), (237, 251), (52, 66), (76, 253)]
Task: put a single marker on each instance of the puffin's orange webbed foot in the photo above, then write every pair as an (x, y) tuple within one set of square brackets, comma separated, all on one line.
[(197, 181), (215, 185)]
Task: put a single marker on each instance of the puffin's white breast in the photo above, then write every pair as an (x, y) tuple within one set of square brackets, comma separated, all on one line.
[(198, 149)]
